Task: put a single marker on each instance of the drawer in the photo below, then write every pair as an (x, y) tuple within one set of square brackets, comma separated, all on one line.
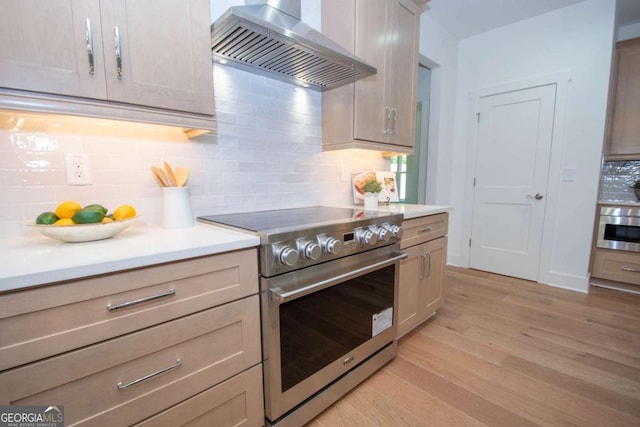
[(42, 322), (210, 346), (423, 229), (235, 402), (620, 266)]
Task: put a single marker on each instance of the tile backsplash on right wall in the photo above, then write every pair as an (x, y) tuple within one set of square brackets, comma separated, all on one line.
[(616, 179)]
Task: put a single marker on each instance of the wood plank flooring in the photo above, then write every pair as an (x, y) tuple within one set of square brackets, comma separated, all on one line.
[(508, 352)]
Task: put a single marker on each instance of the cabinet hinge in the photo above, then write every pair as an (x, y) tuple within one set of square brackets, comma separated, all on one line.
[(474, 182), (469, 242), (478, 117)]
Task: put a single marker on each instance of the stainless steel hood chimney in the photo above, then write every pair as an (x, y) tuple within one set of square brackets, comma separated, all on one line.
[(270, 39)]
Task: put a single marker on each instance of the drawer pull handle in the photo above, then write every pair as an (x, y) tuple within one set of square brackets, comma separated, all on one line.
[(149, 376), (426, 230), (633, 270), (169, 293)]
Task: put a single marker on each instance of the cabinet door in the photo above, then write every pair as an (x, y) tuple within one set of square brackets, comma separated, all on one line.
[(410, 283), (373, 21), (430, 295), (402, 78), (421, 283), (625, 132), (44, 47), (164, 53)]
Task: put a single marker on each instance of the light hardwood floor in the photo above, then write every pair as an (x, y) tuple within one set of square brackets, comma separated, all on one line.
[(508, 352)]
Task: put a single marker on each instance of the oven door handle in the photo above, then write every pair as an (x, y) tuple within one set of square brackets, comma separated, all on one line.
[(282, 297)]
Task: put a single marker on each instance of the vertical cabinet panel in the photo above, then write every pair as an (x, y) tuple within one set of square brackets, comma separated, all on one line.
[(382, 107), (44, 48), (421, 290)]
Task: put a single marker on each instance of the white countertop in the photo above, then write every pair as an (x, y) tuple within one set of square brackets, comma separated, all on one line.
[(36, 259)]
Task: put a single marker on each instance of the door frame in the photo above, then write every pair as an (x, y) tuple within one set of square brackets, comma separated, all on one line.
[(561, 79)]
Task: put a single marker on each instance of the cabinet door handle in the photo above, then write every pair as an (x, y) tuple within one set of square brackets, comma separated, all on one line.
[(425, 230), (149, 376), (89, 38), (387, 120), (118, 46), (427, 264), (394, 117), (633, 270), (169, 293)]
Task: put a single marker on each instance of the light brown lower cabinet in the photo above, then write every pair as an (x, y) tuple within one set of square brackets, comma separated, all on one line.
[(421, 290), (188, 355), (619, 266)]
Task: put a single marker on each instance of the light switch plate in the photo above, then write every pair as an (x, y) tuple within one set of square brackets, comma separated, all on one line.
[(569, 174)]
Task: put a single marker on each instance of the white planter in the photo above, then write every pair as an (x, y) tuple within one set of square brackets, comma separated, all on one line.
[(370, 201)]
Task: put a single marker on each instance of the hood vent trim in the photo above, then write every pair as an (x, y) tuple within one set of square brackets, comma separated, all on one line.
[(287, 54)]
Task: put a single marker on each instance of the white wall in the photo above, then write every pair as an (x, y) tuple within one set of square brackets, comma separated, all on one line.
[(579, 40), (441, 50), (629, 32)]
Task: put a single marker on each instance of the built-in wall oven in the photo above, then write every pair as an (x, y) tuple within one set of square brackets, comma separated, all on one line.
[(329, 279), (619, 228)]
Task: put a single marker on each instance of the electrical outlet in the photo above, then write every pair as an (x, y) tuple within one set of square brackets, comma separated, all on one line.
[(78, 169)]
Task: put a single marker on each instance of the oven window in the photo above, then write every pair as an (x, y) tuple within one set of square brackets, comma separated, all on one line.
[(319, 328), (622, 233)]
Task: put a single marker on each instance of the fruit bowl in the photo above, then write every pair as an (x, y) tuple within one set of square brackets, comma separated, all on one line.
[(83, 232)]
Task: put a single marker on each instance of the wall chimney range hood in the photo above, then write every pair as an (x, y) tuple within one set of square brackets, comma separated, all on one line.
[(267, 37)]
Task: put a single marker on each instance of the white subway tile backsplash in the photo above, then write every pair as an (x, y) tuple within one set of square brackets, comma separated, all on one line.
[(267, 155)]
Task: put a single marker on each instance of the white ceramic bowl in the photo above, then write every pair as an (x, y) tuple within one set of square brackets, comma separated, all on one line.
[(83, 232)]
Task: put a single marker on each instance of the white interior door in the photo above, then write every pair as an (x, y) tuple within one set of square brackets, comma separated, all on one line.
[(515, 130)]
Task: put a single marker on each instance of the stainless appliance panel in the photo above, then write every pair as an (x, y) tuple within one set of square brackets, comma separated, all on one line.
[(619, 229)]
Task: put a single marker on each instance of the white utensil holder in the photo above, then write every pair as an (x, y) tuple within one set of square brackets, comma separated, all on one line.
[(177, 211)]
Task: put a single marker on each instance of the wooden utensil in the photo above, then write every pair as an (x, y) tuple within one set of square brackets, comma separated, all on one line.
[(169, 171), (160, 177), (182, 176)]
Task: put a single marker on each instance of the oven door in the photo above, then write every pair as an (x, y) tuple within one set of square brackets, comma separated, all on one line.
[(322, 321), (619, 229)]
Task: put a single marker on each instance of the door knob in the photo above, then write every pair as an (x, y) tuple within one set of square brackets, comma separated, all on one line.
[(538, 196)]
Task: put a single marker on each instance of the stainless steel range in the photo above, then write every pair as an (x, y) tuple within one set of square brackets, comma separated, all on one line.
[(328, 281)]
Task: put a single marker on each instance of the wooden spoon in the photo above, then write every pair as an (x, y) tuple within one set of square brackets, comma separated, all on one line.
[(160, 177), (169, 171), (182, 176)]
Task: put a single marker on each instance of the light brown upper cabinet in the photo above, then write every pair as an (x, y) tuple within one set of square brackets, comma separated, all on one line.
[(623, 134), (116, 58), (377, 112)]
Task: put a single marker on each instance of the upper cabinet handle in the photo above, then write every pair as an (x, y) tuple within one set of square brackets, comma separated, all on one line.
[(89, 39), (387, 120), (394, 117), (116, 33)]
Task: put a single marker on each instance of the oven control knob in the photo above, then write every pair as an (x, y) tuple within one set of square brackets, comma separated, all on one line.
[(310, 250), (367, 237), (332, 246), (383, 234), (288, 256), (395, 230)]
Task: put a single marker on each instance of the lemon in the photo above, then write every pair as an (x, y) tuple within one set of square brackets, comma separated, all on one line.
[(106, 219), (67, 209), (124, 212), (64, 221)]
